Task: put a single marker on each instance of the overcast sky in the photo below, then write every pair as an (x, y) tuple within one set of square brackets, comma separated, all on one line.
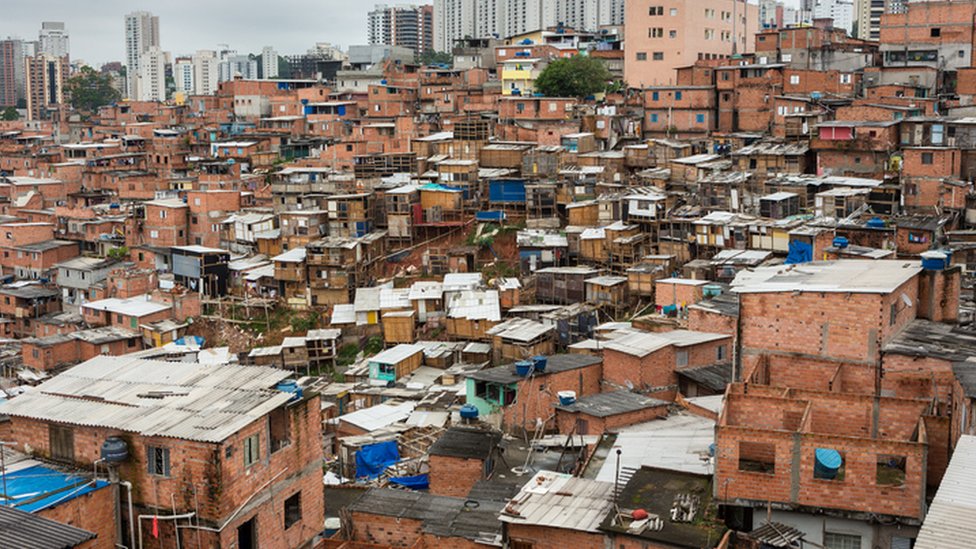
[(290, 26)]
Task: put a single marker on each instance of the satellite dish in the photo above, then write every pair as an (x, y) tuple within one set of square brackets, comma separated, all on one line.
[(629, 384)]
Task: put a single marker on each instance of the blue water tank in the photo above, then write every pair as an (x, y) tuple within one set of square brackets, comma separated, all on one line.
[(290, 386), (827, 463), (934, 261), (711, 290), (469, 411), (566, 398), (840, 242), (875, 223), (539, 362), (523, 367)]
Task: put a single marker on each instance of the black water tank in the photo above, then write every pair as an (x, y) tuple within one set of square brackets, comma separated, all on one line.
[(115, 450)]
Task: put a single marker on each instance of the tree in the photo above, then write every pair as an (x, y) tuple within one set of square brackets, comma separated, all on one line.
[(431, 57), (90, 90), (10, 113), (577, 76)]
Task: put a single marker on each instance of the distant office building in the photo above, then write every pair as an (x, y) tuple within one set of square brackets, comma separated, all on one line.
[(662, 35), (12, 79), (269, 63), (841, 11), (404, 25), (233, 65), (152, 75), (459, 19), (46, 76), (141, 33), (183, 75), (206, 72), (53, 39)]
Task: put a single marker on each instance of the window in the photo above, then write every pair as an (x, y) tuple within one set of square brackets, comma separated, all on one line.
[(674, 12), (828, 464), (681, 358), (659, 56), (938, 131), (841, 541), (157, 461), (893, 317), (725, 75), (293, 510), (794, 79), (162, 214), (642, 56), (757, 457), (62, 441), (653, 117), (655, 10), (655, 32), (655, 96), (677, 96), (699, 118), (935, 32), (673, 34), (927, 158), (709, 34), (786, 57), (845, 79), (252, 450), (890, 471), (720, 353)]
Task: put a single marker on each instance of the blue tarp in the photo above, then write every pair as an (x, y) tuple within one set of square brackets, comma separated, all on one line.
[(418, 482), (800, 252), (506, 190), (38, 487), (373, 459), (490, 216)]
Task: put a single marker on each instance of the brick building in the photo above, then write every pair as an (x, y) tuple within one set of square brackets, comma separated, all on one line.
[(249, 452)]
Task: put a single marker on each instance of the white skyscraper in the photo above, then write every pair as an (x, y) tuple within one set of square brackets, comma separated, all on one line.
[(841, 11), (151, 82), (183, 75), (233, 65), (53, 39), (269, 63), (205, 72), (141, 33), (457, 19)]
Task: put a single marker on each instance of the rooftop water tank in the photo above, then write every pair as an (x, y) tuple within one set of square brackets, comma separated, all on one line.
[(290, 386), (115, 450), (523, 367), (840, 242), (875, 223), (827, 463), (539, 362), (566, 398), (934, 261), (469, 411), (712, 290)]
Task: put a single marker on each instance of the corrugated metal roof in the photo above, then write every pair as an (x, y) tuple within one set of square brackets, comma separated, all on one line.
[(557, 500), (475, 305), (21, 530), (154, 398), (520, 329), (379, 416), (678, 443), (849, 275), (951, 520), (641, 344), (397, 354)]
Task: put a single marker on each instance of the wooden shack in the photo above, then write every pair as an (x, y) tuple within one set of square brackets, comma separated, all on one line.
[(562, 285), (521, 338), (393, 364), (609, 292), (399, 327)]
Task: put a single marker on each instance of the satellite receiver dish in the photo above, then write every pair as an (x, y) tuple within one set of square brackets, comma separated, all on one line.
[(630, 385)]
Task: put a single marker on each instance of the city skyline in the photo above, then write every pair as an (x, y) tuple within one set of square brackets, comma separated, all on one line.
[(97, 31)]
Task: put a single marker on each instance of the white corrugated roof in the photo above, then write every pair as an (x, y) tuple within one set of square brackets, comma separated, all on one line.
[(474, 305), (951, 520), (379, 416), (397, 354), (641, 344), (296, 255), (133, 306), (426, 289), (849, 275), (454, 282), (391, 298), (678, 443), (520, 329), (557, 500), (154, 398), (344, 314)]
